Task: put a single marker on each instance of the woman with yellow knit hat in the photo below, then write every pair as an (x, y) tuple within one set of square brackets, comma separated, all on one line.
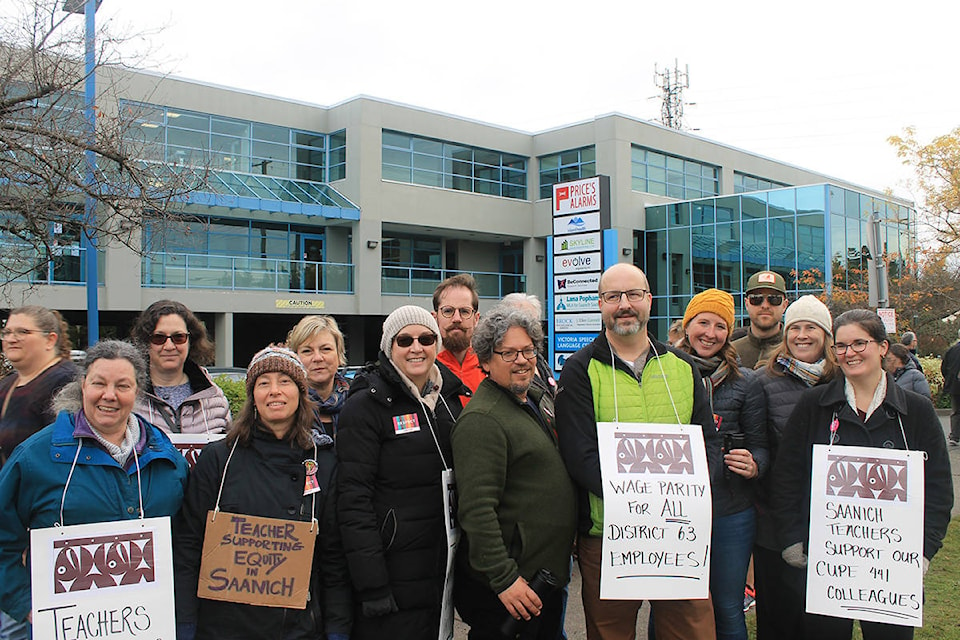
[(739, 414)]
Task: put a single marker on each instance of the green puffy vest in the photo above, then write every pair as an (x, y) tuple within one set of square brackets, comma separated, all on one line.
[(647, 402)]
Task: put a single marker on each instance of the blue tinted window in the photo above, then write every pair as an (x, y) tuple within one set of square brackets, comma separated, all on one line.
[(572, 164), (661, 174)]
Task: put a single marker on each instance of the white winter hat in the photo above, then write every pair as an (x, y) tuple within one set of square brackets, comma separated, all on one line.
[(405, 316), (809, 309)]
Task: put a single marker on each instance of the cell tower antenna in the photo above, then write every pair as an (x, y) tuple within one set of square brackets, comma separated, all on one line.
[(672, 83)]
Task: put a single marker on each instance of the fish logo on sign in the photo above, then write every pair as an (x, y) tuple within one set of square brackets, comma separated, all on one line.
[(654, 453), (102, 562), (870, 478), (576, 223)]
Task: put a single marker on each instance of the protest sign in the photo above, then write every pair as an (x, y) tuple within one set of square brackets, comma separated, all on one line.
[(865, 558), (253, 560), (190, 445), (111, 580), (656, 512)]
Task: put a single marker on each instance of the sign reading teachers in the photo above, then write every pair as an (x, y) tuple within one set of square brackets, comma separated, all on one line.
[(253, 560), (865, 558), (110, 580), (656, 512)]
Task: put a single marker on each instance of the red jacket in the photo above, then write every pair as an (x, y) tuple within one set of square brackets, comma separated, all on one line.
[(469, 372)]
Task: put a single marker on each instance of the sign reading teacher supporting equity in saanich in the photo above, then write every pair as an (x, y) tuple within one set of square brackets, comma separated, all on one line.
[(656, 512), (253, 560), (865, 555), (110, 580)]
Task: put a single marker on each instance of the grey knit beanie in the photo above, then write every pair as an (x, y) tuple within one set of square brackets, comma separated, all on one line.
[(808, 309), (410, 314)]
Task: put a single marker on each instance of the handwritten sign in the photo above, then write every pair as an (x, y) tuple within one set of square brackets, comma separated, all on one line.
[(111, 580), (191, 445), (865, 557), (656, 512), (253, 560)]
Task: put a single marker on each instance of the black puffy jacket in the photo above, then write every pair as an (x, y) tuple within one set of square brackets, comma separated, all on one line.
[(390, 497), (780, 395), (739, 405), (810, 424), (265, 478)]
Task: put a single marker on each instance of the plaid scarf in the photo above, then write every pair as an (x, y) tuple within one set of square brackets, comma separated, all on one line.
[(714, 372), (807, 372)]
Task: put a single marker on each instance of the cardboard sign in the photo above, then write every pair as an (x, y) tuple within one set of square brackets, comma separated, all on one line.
[(110, 580), (865, 558), (191, 445), (253, 560), (657, 512)]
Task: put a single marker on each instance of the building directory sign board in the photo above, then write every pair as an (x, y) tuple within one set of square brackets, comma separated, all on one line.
[(581, 218)]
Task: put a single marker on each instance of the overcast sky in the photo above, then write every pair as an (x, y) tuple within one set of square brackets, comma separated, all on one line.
[(817, 84)]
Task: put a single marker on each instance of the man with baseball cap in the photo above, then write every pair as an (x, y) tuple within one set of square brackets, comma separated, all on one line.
[(766, 300)]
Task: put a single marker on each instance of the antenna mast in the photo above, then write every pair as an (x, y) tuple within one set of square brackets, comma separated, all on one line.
[(672, 83)]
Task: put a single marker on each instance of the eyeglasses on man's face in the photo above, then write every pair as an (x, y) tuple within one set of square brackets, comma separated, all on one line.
[(858, 346), (160, 339), (465, 312), (510, 355), (426, 340), (773, 299), (633, 295)]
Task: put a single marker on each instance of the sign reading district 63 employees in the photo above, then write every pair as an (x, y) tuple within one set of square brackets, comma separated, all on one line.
[(865, 557), (109, 580), (656, 512)]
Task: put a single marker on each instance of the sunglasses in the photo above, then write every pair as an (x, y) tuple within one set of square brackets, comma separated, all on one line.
[(775, 299), (425, 340), (160, 339)]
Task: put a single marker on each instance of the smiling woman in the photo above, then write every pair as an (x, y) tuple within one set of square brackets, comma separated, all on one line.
[(98, 462)]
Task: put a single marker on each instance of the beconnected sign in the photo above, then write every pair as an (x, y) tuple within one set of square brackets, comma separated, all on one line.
[(581, 213)]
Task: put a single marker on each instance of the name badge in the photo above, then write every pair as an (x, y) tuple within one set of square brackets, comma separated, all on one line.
[(406, 423)]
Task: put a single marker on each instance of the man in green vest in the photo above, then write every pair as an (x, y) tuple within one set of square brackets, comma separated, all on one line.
[(626, 375)]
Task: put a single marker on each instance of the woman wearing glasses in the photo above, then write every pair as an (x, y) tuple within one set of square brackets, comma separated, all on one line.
[(863, 407), (180, 396), (803, 360), (36, 343), (393, 442)]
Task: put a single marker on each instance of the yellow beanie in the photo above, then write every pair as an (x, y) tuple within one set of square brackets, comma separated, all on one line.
[(712, 301)]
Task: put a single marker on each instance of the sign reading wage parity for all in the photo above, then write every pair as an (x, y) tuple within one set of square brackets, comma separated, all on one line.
[(656, 512)]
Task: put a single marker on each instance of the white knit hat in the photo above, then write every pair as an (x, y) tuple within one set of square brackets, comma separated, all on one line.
[(809, 309), (402, 317)]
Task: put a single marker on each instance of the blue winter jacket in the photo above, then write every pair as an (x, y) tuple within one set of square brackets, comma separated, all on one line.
[(32, 483)]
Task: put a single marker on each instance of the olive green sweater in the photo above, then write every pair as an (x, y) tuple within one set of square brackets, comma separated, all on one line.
[(517, 505)]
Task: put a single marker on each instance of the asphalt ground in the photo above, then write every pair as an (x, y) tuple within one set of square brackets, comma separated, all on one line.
[(575, 624)]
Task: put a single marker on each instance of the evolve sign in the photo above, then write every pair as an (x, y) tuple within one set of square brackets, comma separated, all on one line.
[(578, 263)]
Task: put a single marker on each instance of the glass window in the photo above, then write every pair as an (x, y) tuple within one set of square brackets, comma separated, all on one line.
[(437, 163), (743, 182), (572, 164), (683, 178)]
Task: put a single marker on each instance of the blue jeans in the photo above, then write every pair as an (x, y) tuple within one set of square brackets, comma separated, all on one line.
[(733, 537), (11, 629)]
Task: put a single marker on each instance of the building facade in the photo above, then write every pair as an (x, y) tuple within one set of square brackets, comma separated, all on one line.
[(358, 208)]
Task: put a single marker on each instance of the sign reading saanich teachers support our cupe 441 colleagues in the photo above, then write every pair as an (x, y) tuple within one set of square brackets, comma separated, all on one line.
[(865, 556)]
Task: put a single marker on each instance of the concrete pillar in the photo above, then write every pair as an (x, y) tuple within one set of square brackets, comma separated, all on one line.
[(223, 329)]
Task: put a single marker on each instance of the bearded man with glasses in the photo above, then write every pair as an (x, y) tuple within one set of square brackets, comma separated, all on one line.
[(766, 300), (455, 303)]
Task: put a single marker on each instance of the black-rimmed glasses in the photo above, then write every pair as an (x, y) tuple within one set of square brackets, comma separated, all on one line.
[(858, 346), (510, 355), (613, 297)]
